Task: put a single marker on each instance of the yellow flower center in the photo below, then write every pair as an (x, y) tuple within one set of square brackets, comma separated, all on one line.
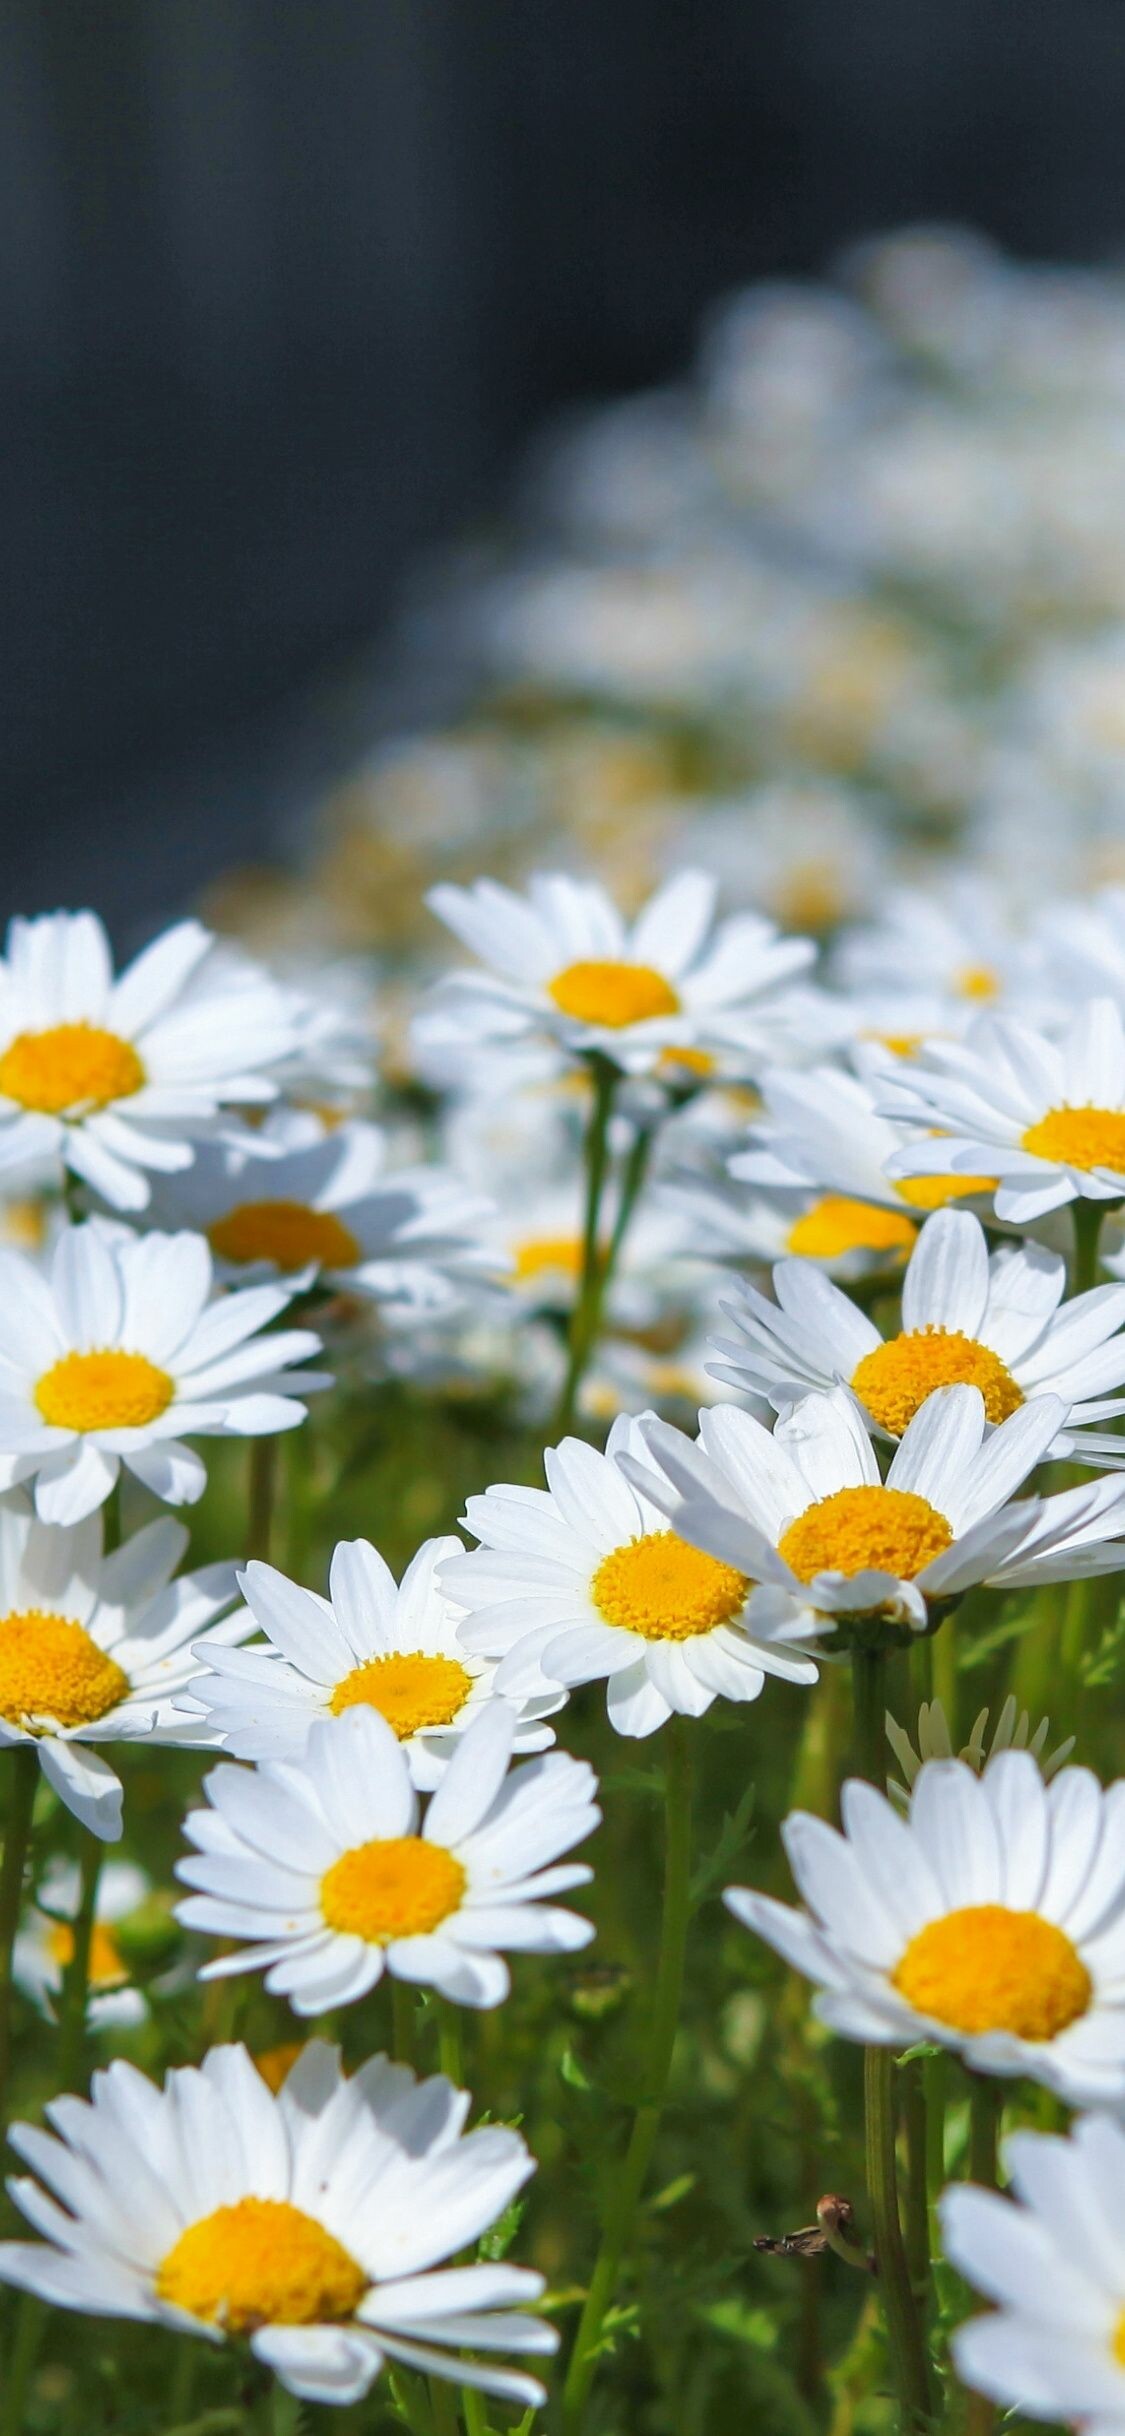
[(397, 1886), (276, 2063), (1079, 1137), (410, 1688), (105, 1390), (889, 1530), (987, 1968), (977, 981), (686, 1061), (894, 1379), (547, 1255), (900, 1044), (835, 1225), (69, 1068), (50, 1667), (934, 1192), (287, 1233), (810, 896), (612, 993), (261, 2262), (665, 1590), (107, 1969)]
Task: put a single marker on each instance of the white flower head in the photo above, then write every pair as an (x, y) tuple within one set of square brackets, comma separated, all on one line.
[(117, 1077), (991, 1920), (323, 1866), (393, 1647), (992, 1323), (958, 950), (311, 2223), (583, 1581), (45, 1943), (120, 1352), (1045, 1117), (672, 990), (1052, 2257), (805, 1514), (94, 1649)]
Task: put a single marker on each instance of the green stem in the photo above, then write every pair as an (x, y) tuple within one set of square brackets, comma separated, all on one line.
[(1087, 1221), (76, 1983), (404, 2022), (23, 1768), (985, 2102), (450, 2058), (21, 2361), (443, 2407), (475, 2412), (629, 2182), (585, 1318), (933, 2080), (869, 1709), (262, 1483), (917, 2227)]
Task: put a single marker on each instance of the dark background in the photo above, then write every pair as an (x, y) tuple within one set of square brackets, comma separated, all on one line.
[(284, 283)]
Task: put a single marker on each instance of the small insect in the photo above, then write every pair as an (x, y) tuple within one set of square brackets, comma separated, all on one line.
[(834, 2230)]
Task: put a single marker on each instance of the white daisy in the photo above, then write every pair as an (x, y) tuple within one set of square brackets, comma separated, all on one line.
[(306, 2222), (957, 949), (804, 1513), (672, 988), (989, 1323), (114, 1077), (1046, 1117), (583, 1580), (45, 1943), (324, 1867), (991, 1920), (313, 1204), (374, 1643), (120, 1353), (94, 1649), (1052, 2256)]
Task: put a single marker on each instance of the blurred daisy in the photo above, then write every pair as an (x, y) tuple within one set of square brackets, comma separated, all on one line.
[(94, 1649), (675, 987), (959, 950), (805, 1514), (1046, 1117), (372, 1643), (45, 1943), (313, 1205), (988, 1323), (1052, 2256), (1012, 1732), (116, 1077), (305, 2223), (991, 1920), (119, 1352), (583, 1580), (324, 1867)]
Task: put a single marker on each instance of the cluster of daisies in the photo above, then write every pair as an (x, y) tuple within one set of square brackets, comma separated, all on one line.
[(897, 1180)]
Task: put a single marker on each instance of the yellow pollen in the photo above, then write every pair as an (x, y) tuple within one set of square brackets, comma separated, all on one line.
[(287, 1233), (547, 1255), (261, 2262), (104, 1390), (69, 1068), (276, 2063), (612, 993), (665, 1590), (106, 1967), (410, 1688), (1079, 1137), (894, 1379), (987, 1968), (979, 981), (835, 1225), (933, 1192), (686, 1061), (50, 1667), (397, 1886), (889, 1530)]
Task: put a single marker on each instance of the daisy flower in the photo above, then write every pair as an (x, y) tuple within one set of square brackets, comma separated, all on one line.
[(93, 1648), (960, 952), (1046, 1117), (119, 1352), (804, 1513), (371, 1643), (116, 1077), (1052, 2256), (583, 1580), (45, 1943), (307, 2223), (988, 1323), (674, 989), (991, 1920), (823, 1151), (324, 1867), (313, 1205)]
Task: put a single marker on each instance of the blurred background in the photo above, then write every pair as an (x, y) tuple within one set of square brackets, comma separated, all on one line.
[(286, 284)]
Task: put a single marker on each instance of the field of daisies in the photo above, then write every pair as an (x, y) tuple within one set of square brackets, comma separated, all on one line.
[(562, 1466)]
